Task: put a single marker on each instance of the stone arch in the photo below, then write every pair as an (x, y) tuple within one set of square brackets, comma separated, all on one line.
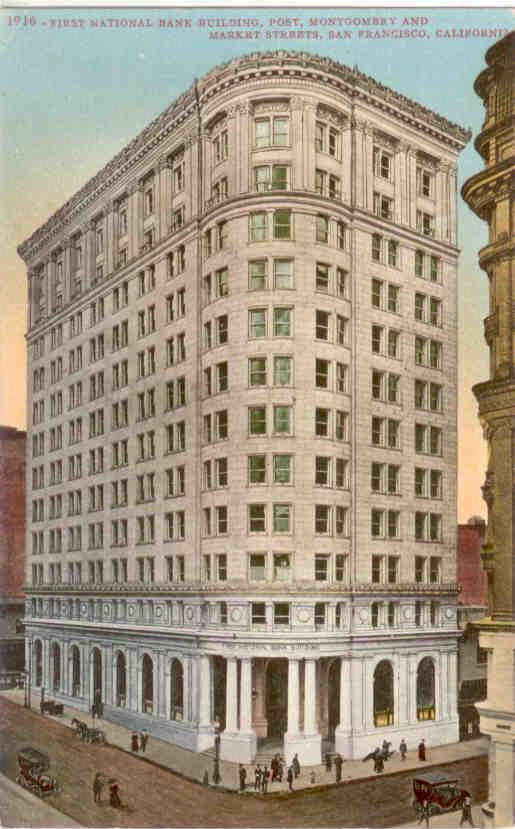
[(176, 690), (426, 689), (383, 694)]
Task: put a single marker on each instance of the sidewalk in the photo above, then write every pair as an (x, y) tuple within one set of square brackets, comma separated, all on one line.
[(18, 807), (194, 766)]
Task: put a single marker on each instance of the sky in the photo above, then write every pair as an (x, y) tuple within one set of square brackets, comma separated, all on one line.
[(73, 94)]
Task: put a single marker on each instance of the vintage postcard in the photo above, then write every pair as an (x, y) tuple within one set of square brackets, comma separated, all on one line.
[(256, 416)]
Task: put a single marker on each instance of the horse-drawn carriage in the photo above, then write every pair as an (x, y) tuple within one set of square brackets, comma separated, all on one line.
[(48, 706), (87, 734), (32, 772)]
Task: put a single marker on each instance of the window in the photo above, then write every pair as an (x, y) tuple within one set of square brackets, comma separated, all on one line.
[(282, 371), (424, 183), (271, 177), (257, 420), (322, 519), (382, 163), (257, 371), (393, 298), (258, 226), (257, 275), (221, 146), (435, 567), (282, 469), (281, 614), (341, 282), (322, 422), (322, 374), (256, 467), (322, 229), (281, 514), (283, 420), (341, 330), (393, 569), (340, 567), (257, 323), (258, 613), (271, 131), (322, 325), (257, 567), (419, 263), (282, 224), (256, 518), (322, 277), (383, 206), (425, 223), (322, 470), (283, 273), (377, 242), (282, 322)]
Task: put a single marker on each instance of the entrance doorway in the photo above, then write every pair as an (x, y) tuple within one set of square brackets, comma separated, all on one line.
[(276, 695), (333, 698)]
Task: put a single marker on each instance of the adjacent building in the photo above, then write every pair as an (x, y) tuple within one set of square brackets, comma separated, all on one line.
[(242, 404), (12, 553), (472, 606), (490, 195)]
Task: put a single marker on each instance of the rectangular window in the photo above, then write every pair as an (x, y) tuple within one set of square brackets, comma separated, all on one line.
[(283, 417), (257, 420), (256, 518), (281, 614), (322, 277), (257, 565), (257, 323), (282, 469), (281, 518), (258, 227), (322, 325), (282, 371), (257, 371), (282, 224), (321, 567), (283, 273), (256, 469), (257, 275)]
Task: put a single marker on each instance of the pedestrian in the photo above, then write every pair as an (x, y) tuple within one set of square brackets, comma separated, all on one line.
[(98, 785), (280, 769), (274, 765), (257, 778), (289, 777), (403, 748), (466, 811), (134, 742), (422, 750), (425, 814), (312, 778), (143, 740), (378, 763), (295, 764), (328, 761), (114, 797), (338, 762), (265, 777), (243, 776), (386, 749)]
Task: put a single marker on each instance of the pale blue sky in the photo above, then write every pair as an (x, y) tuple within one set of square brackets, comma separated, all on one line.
[(71, 98)]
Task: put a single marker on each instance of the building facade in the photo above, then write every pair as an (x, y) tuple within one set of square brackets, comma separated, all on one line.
[(490, 195), (242, 374), (472, 605), (12, 553)]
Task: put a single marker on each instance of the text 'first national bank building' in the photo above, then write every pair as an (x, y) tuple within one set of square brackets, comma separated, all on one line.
[(242, 402)]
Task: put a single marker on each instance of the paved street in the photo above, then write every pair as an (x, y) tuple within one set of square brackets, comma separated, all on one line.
[(153, 796)]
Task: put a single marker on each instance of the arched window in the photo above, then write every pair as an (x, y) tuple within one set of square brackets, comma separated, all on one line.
[(38, 662), (426, 689), (56, 666), (75, 660), (121, 680), (383, 694), (176, 691), (147, 685)]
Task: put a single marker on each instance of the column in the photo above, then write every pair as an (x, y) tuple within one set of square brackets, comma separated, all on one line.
[(412, 688), (438, 670), (297, 144), (186, 690), (453, 689), (293, 696), (238, 745), (168, 689), (110, 686), (109, 248), (444, 689), (67, 270), (368, 167), (310, 690), (65, 673), (205, 691), (83, 671), (403, 690), (50, 295), (342, 737), (231, 708), (260, 720), (133, 220), (411, 178), (357, 128), (246, 695), (451, 203), (164, 185)]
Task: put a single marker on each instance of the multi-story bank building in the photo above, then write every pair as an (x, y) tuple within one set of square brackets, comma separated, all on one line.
[(242, 460)]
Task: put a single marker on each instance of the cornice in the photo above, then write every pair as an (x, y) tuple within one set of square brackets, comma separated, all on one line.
[(256, 66)]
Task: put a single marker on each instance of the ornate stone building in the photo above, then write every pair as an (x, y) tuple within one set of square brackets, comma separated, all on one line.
[(490, 194), (242, 371)]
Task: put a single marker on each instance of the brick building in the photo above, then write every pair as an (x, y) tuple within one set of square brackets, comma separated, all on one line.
[(472, 606), (242, 375), (12, 550)]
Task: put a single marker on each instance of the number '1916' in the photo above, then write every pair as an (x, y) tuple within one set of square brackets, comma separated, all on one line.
[(18, 20)]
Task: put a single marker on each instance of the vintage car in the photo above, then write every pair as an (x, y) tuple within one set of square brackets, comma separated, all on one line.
[(441, 792), (32, 768)]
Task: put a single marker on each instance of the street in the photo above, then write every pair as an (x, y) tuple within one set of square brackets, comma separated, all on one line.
[(153, 796)]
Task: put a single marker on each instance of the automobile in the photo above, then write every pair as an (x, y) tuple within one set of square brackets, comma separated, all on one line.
[(441, 791), (32, 772)]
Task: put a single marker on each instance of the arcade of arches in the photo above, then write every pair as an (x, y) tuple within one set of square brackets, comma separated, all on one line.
[(290, 704)]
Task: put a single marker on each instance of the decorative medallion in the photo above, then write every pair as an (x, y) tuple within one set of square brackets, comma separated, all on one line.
[(235, 614), (131, 610), (189, 613), (303, 614)]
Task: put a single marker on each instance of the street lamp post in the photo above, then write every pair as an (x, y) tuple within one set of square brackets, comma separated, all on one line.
[(217, 777)]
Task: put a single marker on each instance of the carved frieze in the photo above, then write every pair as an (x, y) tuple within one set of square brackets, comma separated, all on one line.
[(331, 115)]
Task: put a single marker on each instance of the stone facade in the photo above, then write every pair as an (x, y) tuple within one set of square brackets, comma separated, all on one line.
[(12, 552), (490, 194), (242, 347)]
